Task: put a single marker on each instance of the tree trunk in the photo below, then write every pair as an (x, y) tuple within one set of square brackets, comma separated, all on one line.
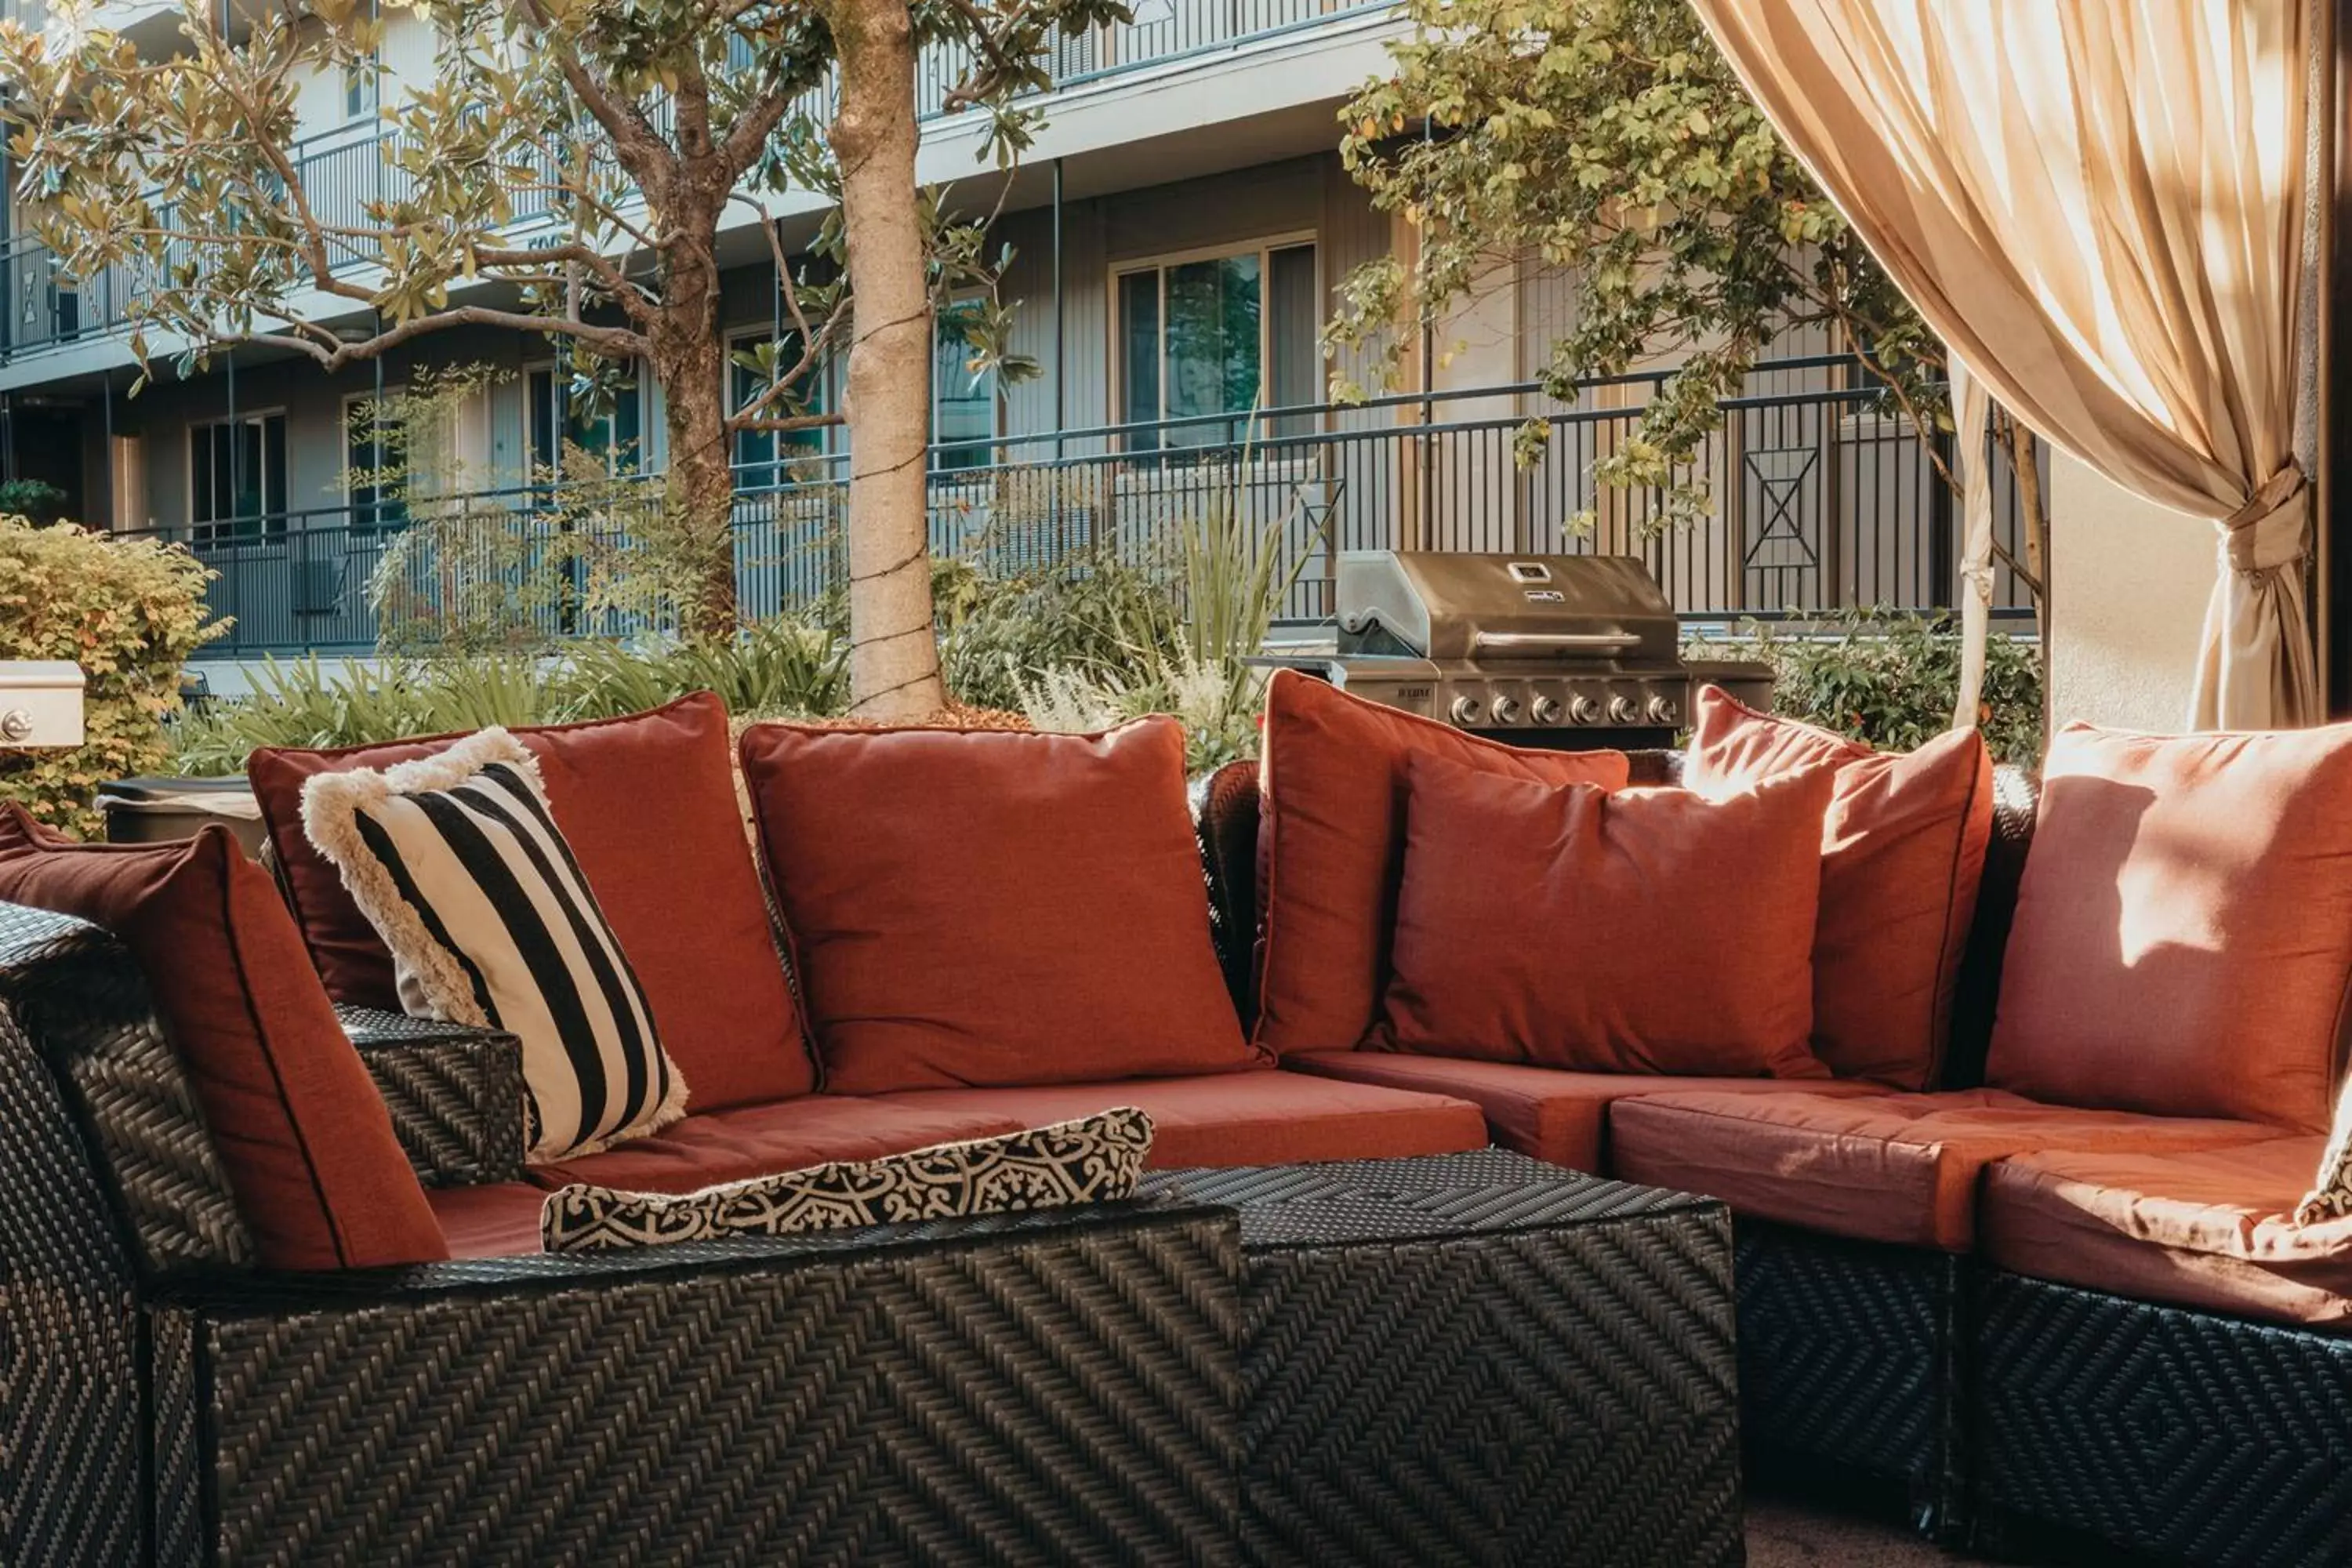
[(699, 500), (696, 535), (894, 653)]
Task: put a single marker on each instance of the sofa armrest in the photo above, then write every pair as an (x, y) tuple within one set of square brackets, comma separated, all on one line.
[(1059, 1386), (455, 1093)]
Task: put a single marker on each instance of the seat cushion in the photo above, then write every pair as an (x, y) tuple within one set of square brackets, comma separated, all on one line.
[(2183, 938), (761, 1140), (2213, 1230), (994, 907), (1640, 931), (500, 1220), (1899, 1168), (303, 1137), (1550, 1113), (647, 804), (1903, 851), (1261, 1118), (1331, 836)]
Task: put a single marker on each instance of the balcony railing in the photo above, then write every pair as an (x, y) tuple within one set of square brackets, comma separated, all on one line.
[(345, 169), (1818, 497)]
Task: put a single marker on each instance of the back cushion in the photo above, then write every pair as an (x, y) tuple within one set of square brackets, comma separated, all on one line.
[(1902, 850), (1331, 835), (2183, 934), (648, 805), (992, 908), (303, 1136), (1651, 931)]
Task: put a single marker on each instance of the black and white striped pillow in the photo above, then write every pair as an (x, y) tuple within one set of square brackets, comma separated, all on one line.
[(455, 859)]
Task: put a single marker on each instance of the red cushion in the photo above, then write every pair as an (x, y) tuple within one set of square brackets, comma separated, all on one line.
[(1898, 1168), (648, 805), (2183, 936), (1902, 849), (1331, 835), (304, 1138), (500, 1220), (1649, 930), (1550, 1113), (993, 906), (2213, 1229), (759, 1140), (1262, 1118)]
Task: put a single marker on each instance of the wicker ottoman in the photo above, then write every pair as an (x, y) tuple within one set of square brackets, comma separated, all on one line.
[(1482, 1358)]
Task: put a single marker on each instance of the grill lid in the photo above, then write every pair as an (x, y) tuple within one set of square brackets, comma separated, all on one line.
[(1599, 610)]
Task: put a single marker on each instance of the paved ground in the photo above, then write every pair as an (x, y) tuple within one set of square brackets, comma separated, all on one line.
[(1783, 1534)]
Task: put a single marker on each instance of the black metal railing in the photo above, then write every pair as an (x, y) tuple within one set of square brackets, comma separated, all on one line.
[(1817, 496)]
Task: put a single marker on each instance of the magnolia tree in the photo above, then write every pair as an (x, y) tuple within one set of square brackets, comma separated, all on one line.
[(1608, 138), (567, 169)]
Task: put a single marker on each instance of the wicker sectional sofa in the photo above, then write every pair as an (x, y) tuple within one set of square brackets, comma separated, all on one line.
[(2029, 1318)]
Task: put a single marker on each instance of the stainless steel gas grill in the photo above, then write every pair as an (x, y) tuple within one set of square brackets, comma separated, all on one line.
[(1566, 652)]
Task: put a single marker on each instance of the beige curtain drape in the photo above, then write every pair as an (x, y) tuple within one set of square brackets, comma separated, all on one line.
[(2098, 205)]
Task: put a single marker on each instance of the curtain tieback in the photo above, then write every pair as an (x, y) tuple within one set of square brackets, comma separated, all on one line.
[(2267, 532)]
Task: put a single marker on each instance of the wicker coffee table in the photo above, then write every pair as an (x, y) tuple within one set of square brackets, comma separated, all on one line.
[(1482, 1358)]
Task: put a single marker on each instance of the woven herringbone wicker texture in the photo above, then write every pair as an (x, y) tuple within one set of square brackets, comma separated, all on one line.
[(2186, 1437), (1061, 1396), (77, 993), (70, 1476), (1479, 1359), (455, 1093), (2015, 804), (1847, 1351)]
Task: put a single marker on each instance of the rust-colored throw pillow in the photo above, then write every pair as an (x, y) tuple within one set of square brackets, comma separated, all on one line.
[(303, 1136), (1332, 834), (1650, 930), (647, 804), (2183, 936), (992, 908), (1902, 849)]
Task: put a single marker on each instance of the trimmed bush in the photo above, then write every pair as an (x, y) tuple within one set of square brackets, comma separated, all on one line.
[(130, 612), (1888, 679)]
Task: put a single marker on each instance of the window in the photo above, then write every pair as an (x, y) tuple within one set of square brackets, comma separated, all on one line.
[(1215, 334), (371, 448), (359, 87), (237, 478), (963, 403), (765, 460), (614, 435)]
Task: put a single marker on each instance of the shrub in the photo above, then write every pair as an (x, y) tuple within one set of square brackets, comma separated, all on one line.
[(1217, 703), (303, 702), (1888, 679), (130, 612), (1095, 614), (779, 668), (38, 502), (1183, 654)]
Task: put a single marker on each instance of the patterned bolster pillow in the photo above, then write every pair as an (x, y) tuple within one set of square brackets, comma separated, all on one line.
[(1095, 1159)]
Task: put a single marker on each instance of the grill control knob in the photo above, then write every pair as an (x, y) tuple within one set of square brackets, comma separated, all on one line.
[(1506, 710), (1465, 711), (1622, 710), (1584, 710), (1663, 709), (1547, 710)]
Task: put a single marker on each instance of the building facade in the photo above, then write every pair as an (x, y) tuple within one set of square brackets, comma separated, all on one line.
[(1178, 234)]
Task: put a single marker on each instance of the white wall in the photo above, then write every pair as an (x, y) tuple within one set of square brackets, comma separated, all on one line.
[(2130, 581)]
